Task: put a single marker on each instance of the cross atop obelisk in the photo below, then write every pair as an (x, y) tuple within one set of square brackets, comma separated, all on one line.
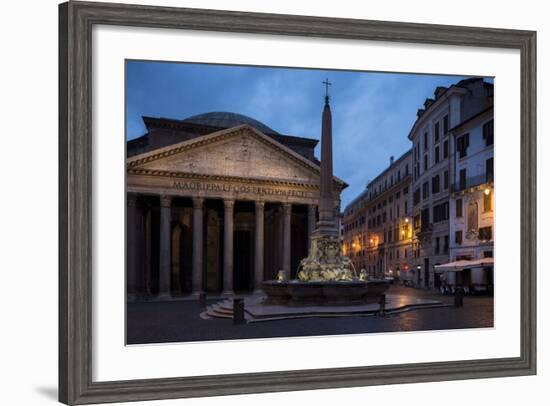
[(327, 84), (327, 222)]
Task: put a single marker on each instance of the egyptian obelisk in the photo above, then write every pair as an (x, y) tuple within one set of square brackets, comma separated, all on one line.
[(327, 223)]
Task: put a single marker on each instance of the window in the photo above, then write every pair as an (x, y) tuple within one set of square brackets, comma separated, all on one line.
[(446, 244), (458, 237), (425, 142), (406, 190), (398, 175), (462, 144), (488, 133), (416, 221), (416, 196), (437, 245), (445, 124), (384, 218), (425, 190), (436, 132), (425, 220), (436, 154), (463, 179), (489, 171), (446, 180), (406, 207), (426, 162), (441, 212), (487, 202), (445, 149), (486, 233), (435, 184), (458, 208)]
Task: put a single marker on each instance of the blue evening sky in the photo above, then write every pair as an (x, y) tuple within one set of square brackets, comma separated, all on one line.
[(372, 113)]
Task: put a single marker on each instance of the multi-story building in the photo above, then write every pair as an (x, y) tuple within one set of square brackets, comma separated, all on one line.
[(377, 223), (472, 200), (433, 154), (389, 231), (354, 230)]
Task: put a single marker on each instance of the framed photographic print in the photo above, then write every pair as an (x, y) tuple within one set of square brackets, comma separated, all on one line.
[(257, 202)]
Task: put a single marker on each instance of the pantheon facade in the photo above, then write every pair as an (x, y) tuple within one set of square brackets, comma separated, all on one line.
[(217, 203)]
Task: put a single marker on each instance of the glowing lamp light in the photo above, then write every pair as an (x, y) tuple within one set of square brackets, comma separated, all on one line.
[(487, 191), (406, 219)]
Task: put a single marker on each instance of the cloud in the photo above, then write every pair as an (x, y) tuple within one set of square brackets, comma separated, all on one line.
[(372, 112)]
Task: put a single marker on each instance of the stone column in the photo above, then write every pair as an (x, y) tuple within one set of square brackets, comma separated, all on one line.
[(279, 220), (287, 212), (311, 221), (229, 206), (196, 278), (259, 247), (164, 252), (131, 246), (147, 252)]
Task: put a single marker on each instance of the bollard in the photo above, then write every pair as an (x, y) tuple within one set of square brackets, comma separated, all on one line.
[(238, 311), (202, 300), (382, 303), (459, 297)]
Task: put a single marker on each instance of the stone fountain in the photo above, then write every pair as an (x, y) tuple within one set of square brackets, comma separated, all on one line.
[(325, 277)]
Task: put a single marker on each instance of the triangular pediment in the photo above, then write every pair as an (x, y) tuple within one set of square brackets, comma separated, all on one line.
[(240, 152)]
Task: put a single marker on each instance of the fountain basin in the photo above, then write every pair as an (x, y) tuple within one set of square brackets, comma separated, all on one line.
[(324, 293)]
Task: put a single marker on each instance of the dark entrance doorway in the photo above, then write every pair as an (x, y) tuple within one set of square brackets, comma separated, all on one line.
[(437, 280), (427, 272), (242, 260)]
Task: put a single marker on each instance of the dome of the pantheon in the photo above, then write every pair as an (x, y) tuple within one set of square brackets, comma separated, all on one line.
[(227, 120)]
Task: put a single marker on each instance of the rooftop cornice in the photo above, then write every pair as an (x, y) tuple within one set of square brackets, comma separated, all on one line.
[(392, 166), (453, 89)]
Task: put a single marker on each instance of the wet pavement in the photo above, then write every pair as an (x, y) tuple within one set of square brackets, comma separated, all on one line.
[(177, 321)]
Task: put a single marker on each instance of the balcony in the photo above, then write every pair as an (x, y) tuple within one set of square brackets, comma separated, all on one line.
[(470, 182), (424, 229)]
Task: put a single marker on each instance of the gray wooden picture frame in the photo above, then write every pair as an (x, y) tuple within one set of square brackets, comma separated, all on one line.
[(76, 20)]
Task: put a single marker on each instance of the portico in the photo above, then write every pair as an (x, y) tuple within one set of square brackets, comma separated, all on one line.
[(219, 213)]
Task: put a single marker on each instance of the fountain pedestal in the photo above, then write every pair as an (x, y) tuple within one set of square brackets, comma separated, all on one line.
[(325, 278), (324, 293)]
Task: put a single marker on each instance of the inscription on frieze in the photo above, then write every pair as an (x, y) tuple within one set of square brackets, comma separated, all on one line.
[(244, 189)]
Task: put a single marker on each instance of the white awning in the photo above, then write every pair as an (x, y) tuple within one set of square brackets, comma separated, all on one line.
[(458, 266)]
